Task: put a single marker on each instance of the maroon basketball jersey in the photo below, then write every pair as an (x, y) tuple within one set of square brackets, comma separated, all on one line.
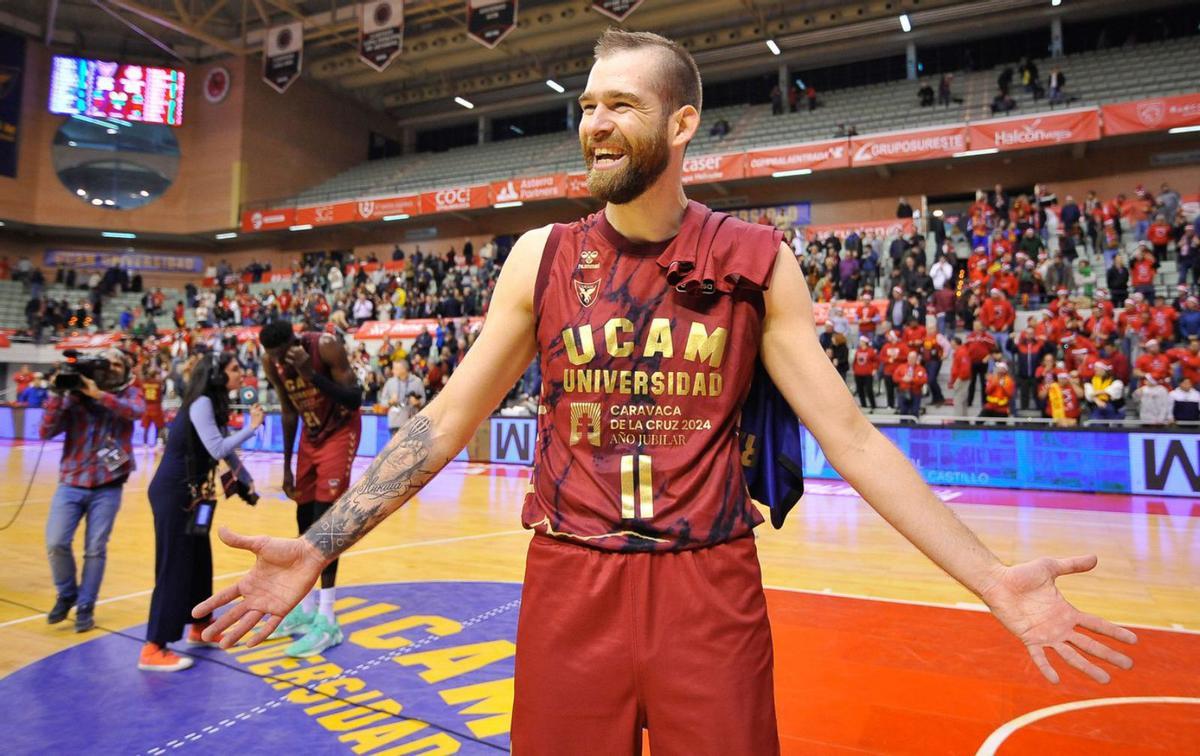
[(320, 414), (647, 352)]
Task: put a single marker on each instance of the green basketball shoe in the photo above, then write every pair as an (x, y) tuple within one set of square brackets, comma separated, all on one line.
[(295, 623), (323, 633)]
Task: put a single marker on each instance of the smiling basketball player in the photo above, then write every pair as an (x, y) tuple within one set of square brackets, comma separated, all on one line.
[(643, 603)]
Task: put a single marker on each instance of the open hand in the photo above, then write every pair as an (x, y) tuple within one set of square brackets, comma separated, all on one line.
[(286, 570), (1027, 602)]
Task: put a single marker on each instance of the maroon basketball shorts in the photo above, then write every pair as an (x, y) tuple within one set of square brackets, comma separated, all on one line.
[(153, 416), (677, 643), (323, 468)]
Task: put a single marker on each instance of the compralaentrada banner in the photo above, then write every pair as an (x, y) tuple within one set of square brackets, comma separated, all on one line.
[(1147, 463)]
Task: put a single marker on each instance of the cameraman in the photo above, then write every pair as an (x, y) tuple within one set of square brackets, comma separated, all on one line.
[(97, 458), (182, 496)]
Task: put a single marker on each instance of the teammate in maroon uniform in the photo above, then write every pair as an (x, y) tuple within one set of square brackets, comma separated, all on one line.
[(152, 386), (312, 376), (643, 603)]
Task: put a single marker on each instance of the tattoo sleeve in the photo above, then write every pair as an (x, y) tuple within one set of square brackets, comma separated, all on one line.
[(404, 466)]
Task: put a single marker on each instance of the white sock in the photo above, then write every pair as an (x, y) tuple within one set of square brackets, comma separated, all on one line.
[(327, 598), (309, 604)]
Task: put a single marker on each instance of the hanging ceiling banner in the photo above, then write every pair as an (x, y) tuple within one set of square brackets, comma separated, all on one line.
[(616, 9), (489, 21), (380, 32), (283, 55)]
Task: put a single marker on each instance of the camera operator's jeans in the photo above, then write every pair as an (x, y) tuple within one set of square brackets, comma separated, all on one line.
[(68, 506)]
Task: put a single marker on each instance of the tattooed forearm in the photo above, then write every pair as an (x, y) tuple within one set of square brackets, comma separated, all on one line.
[(406, 464)]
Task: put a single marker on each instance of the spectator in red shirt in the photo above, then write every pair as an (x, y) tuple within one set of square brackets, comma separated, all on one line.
[(1061, 301), (998, 315), (910, 379), (1113, 357), (1076, 350), (960, 376), (933, 351), (1188, 359), (1162, 323), (893, 354), (1142, 272), (22, 379), (868, 317), (914, 333), (866, 362), (1159, 236), (999, 393), (979, 344), (1007, 282), (1154, 362)]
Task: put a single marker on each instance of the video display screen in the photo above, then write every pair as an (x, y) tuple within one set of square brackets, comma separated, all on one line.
[(104, 89)]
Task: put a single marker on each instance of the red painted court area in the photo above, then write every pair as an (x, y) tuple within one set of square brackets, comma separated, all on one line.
[(866, 676)]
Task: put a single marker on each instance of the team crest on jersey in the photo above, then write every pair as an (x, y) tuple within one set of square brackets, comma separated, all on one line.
[(587, 291), (587, 259)]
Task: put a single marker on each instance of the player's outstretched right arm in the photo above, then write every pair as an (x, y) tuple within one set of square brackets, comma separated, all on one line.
[(286, 568)]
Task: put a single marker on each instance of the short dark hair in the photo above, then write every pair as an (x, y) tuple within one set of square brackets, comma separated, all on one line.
[(277, 333), (679, 83)]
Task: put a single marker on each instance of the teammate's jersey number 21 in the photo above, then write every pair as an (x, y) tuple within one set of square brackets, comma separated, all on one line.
[(637, 487)]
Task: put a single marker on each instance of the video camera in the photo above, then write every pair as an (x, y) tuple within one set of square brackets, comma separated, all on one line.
[(69, 374)]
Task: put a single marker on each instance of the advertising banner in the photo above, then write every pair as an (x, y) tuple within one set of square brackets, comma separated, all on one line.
[(456, 198), (1155, 114), (707, 169), (907, 146), (404, 329), (268, 220), (355, 211), (73, 258), (489, 21), (815, 156), (284, 55), (530, 188), (380, 32), (88, 341), (1044, 130), (882, 228), (782, 216), (577, 185)]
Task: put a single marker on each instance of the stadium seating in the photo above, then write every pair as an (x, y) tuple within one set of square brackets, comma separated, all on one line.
[(1111, 75)]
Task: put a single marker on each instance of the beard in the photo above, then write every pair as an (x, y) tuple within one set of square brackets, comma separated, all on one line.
[(645, 161)]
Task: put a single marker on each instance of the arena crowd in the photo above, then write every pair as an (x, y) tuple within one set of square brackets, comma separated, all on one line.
[(1020, 306)]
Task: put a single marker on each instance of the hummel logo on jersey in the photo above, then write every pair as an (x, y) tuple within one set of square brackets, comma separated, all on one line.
[(587, 259), (586, 292)]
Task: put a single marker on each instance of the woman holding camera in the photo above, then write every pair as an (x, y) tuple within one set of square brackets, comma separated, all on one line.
[(182, 496)]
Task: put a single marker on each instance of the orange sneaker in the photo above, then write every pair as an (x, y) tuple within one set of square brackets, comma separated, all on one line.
[(156, 658), (194, 638)]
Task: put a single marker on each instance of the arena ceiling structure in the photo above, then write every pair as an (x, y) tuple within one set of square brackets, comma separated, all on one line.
[(552, 39)]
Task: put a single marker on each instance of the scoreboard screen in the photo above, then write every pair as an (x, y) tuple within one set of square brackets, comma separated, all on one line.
[(103, 89)]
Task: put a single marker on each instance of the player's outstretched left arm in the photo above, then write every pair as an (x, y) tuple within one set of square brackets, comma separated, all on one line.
[(286, 568), (1023, 597)]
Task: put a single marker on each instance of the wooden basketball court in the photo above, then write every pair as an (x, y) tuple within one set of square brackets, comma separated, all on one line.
[(876, 650)]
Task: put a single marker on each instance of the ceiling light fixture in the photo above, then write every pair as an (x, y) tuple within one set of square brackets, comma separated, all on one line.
[(797, 172), (227, 235), (117, 235), (905, 24), (465, 103), (555, 86), (774, 48)]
